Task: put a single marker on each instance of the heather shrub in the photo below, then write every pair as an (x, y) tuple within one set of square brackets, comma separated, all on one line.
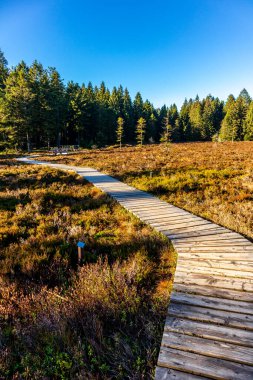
[(210, 179), (100, 321)]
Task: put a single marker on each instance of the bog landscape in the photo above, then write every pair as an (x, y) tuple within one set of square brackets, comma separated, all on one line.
[(126, 229)]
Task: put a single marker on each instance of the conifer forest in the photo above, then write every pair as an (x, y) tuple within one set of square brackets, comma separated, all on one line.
[(38, 110)]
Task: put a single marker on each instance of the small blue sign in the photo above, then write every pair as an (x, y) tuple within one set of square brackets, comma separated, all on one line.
[(81, 244)]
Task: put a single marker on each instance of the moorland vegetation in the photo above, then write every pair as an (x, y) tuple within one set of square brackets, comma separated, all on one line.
[(210, 179), (102, 320)]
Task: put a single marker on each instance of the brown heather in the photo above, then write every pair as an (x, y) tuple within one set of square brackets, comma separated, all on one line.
[(101, 321), (212, 180)]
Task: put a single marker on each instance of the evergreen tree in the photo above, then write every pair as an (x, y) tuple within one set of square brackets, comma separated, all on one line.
[(233, 123), (173, 117), (245, 96), (138, 107), (3, 70), (18, 105), (37, 109), (140, 130), (248, 124), (167, 131), (195, 115), (184, 121), (128, 116), (212, 116), (120, 130), (57, 103), (161, 114)]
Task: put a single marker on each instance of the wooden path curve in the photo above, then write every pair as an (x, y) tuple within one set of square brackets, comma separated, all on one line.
[(208, 332)]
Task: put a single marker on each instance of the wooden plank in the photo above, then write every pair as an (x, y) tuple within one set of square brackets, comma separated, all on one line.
[(150, 218), (150, 207), (162, 373), (217, 249), (234, 273), (213, 368), (208, 347), (155, 213), (212, 292), (217, 256), (219, 264), (210, 331), (176, 218), (238, 241), (207, 233), (205, 227), (231, 305), (203, 314), (179, 225), (245, 285), (164, 210), (208, 238)]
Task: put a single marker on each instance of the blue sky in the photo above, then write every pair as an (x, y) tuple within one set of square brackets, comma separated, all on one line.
[(167, 50)]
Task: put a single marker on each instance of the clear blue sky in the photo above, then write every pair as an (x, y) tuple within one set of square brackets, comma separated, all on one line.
[(167, 50)]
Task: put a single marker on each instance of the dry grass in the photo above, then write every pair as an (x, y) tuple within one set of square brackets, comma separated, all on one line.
[(212, 180), (102, 321)]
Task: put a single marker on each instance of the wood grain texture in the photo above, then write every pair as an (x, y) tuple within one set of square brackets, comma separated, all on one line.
[(202, 365), (208, 347)]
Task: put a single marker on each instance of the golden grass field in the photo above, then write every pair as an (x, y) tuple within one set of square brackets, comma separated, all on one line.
[(212, 180), (102, 321), (105, 319)]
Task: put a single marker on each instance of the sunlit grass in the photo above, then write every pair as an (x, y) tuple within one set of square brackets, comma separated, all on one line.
[(212, 180), (104, 320)]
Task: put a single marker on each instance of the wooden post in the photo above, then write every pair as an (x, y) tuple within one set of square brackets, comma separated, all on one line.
[(80, 252)]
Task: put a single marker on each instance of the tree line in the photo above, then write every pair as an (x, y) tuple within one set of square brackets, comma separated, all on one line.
[(38, 110)]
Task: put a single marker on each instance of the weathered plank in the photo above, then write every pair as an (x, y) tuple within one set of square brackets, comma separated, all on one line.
[(212, 302), (196, 234), (213, 368), (218, 248), (209, 347), (229, 236), (203, 314), (235, 272), (163, 373), (180, 225), (209, 331), (238, 242), (247, 257), (209, 264), (210, 291), (214, 280)]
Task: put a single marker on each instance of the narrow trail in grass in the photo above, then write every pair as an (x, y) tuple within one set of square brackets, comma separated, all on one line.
[(209, 327)]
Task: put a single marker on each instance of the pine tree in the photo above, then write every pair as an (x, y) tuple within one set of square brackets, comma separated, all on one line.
[(167, 131), (18, 105), (245, 96), (120, 130), (3, 70), (127, 114), (195, 115), (212, 116), (173, 117), (138, 107), (140, 130), (57, 103), (184, 121), (248, 124), (232, 128)]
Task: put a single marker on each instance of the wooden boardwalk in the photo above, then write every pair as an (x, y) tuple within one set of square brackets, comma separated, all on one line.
[(208, 332)]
